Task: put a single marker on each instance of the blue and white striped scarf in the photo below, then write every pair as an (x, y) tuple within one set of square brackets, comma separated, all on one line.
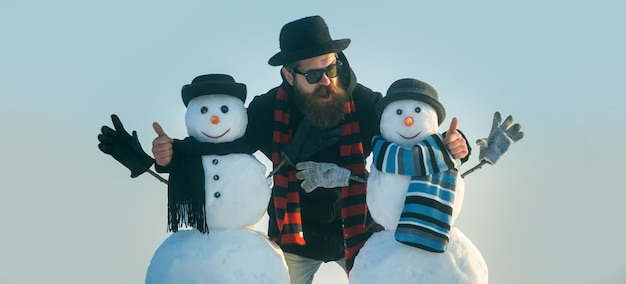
[(426, 216)]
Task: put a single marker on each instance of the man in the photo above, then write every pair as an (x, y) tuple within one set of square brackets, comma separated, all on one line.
[(316, 128)]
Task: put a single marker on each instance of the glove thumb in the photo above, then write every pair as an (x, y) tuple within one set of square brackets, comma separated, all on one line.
[(482, 143)]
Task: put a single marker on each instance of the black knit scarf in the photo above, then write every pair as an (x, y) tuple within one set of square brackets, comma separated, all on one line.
[(286, 189), (185, 190)]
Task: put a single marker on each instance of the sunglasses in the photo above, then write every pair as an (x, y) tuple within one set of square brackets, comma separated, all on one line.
[(315, 75)]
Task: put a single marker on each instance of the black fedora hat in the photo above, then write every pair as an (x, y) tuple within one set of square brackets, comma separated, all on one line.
[(305, 38), (213, 84), (412, 89)]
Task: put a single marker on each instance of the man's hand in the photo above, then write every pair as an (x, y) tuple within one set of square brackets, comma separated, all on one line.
[(326, 175), (162, 146), (500, 138), (455, 142), (124, 148)]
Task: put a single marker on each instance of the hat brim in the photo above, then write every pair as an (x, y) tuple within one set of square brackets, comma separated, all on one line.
[(191, 91), (386, 100), (292, 56)]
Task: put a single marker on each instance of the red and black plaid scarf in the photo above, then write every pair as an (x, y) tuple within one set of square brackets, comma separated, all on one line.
[(286, 189)]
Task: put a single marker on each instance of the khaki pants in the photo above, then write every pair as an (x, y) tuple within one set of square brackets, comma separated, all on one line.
[(302, 269)]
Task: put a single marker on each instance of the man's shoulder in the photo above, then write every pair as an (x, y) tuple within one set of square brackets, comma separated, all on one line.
[(264, 100), (365, 95)]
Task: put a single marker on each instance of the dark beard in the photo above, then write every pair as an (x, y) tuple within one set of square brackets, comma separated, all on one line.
[(322, 115)]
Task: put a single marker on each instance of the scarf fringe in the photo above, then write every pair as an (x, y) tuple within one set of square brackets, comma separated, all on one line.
[(186, 214)]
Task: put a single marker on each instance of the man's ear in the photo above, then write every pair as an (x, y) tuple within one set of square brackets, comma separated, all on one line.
[(288, 75)]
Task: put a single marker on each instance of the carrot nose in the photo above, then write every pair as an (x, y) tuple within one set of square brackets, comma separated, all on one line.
[(408, 121), (215, 119)]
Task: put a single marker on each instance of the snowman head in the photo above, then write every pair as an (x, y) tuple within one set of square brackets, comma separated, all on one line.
[(407, 122), (216, 118), (215, 108), (409, 112)]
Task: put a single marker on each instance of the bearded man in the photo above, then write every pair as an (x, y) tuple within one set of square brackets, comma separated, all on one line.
[(316, 128), (318, 207)]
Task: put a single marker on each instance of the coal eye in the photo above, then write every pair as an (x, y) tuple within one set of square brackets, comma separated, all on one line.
[(224, 109), (418, 109), (204, 109), (399, 112)]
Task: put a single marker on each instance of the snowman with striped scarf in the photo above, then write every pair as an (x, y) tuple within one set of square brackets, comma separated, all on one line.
[(415, 193)]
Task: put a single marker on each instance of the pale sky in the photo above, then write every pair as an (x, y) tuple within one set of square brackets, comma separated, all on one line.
[(548, 212)]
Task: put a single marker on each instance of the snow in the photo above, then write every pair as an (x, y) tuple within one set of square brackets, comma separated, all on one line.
[(385, 260), (222, 256)]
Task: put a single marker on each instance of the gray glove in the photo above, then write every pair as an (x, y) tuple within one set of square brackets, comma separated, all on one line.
[(327, 175), (500, 138)]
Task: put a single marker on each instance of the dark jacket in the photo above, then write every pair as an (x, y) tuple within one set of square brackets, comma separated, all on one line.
[(321, 209)]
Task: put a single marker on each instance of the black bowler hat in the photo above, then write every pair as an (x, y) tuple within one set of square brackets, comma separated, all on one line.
[(305, 38), (412, 89), (213, 84)]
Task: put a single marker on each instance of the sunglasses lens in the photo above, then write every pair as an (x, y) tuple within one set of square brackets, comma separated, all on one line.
[(331, 71), (314, 76)]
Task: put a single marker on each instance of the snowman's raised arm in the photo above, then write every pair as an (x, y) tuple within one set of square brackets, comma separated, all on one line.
[(426, 158)]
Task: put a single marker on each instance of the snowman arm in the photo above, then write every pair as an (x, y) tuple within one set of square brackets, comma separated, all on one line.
[(426, 158), (157, 176)]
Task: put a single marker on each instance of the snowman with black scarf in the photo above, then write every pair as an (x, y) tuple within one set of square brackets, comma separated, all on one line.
[(214, 199)]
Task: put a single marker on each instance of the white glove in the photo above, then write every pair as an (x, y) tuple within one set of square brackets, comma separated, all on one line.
[(327, 175), (499, 140)]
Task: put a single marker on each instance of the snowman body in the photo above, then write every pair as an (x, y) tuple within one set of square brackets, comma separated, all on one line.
[(236, 197), (222, 256), (383, 259), (236, 190)]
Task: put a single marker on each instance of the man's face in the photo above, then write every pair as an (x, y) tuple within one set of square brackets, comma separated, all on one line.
[(323, 102)]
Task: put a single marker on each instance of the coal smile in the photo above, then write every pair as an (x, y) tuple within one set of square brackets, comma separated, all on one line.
[(207, 135)]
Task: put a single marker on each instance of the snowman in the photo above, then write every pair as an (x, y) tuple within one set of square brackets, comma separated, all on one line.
[(415, 192), (214, 200)]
